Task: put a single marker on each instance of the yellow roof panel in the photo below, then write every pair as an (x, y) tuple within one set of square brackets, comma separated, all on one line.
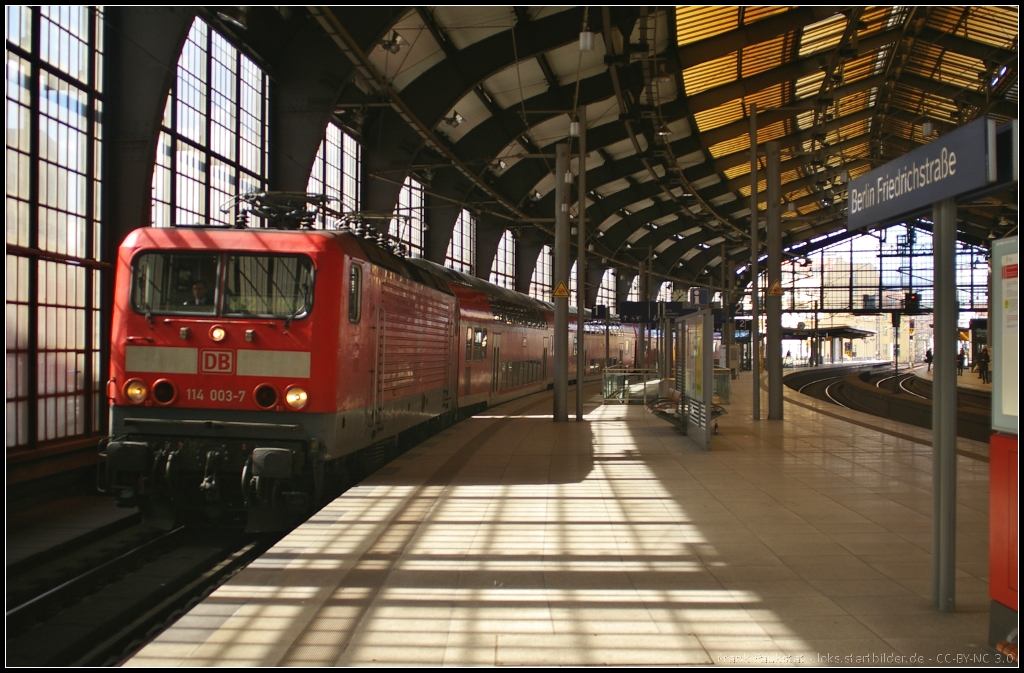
[(710, 74), (695, 23)]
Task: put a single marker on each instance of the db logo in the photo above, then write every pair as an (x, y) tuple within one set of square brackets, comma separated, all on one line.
[(217, 362)]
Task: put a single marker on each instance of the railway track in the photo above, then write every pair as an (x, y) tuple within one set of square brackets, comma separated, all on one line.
[(903, 397), (97, 600)]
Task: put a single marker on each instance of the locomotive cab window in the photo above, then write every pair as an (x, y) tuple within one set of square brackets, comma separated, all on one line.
[(355, 292), (175, 283), (268, 286)]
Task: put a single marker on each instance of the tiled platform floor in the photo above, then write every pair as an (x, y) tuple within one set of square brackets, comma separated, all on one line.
[(512, 540)]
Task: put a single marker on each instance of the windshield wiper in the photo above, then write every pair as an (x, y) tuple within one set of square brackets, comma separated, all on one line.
[(300, 308)]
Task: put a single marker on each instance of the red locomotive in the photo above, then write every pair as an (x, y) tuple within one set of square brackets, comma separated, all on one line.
[(250, 366)]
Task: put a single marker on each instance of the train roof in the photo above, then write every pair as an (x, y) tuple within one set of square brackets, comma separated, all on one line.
[(508, 306)]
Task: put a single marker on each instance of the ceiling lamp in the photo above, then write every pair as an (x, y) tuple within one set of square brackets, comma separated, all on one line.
[(586, 41), (455, 119), (233, 16), (791, 207), (536, 196), (395, 44), (664, 131), (927, 128), (574, 129)]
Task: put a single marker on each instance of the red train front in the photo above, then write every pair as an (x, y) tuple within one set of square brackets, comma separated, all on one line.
[(250, 368)]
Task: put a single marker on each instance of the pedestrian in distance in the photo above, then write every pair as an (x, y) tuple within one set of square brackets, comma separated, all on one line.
[(984, 359), (961, 361), (928, 357)]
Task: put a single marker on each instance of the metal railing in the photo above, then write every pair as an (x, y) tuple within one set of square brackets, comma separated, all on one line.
[(629, 386)]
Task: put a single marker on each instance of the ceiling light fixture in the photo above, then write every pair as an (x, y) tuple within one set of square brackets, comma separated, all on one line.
[(664, 131), (927, 128), (395, 44), (455, 119), (586, 41), (234, 16)]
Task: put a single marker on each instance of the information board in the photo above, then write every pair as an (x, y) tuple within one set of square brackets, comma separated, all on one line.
[(1003, 329), (695, 350)]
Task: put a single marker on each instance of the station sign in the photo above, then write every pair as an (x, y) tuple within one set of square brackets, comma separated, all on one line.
[(960, 161), (650, 311)]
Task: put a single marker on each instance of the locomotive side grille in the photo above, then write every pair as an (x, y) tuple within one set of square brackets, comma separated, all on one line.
[(416, 349)]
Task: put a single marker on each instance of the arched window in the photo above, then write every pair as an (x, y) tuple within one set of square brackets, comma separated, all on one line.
[(56, 350), (572, 285), (407, 226), (634, 289), (540, 282), (665, 292), (335, 174), (213, 144), (461, 253), (606, 292), (503, 270)]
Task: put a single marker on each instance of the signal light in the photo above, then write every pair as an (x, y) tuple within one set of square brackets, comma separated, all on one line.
[(295, 397), (911, 301), (266, 396), (164, 392), (135, 390)]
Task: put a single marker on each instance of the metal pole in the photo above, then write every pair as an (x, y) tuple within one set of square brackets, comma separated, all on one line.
[(607, 345), (581, 266), (642, 341), (944, 409), (561, 276), (755, 338), (724, 362), (773, 303)]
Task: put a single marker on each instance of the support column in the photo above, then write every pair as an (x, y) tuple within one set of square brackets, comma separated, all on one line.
[(581, 266), (773, 304), (641, 347), (944, 409), (561, 275), (755, 314), (730, 318)]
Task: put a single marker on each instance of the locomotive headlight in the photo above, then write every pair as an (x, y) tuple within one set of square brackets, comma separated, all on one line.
[(136, 391), (295, 397), (217, 333)]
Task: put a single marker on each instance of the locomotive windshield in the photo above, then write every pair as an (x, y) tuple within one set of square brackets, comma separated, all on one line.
[(164, 282), (263, 286), (268, 286)]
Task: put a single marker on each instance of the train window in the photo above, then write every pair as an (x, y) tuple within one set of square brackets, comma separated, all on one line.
[(167, 283), (268, 286), (480, 344), (469, 344), (355, 293)]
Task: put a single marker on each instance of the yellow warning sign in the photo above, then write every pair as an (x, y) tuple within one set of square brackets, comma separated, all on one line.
[(776, 289), (561, 291)]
